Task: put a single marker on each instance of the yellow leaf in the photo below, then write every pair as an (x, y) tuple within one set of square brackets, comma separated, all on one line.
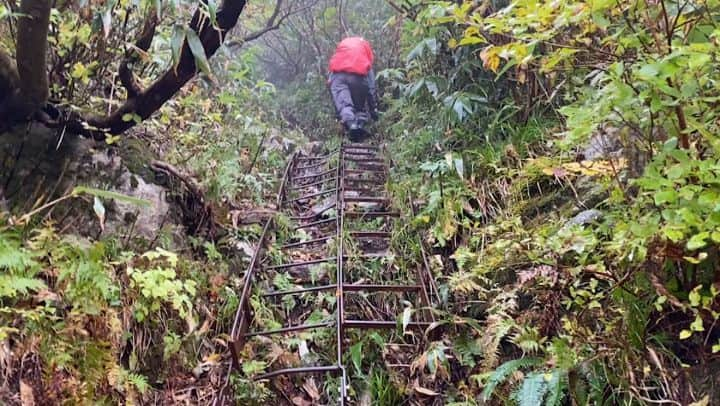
[(490, 58)]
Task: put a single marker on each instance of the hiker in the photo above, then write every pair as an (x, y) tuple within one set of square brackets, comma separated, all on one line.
[(352, 85)]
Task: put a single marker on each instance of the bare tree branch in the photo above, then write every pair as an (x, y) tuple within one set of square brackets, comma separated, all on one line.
[(273, 23), (132, 55), (145, 103)]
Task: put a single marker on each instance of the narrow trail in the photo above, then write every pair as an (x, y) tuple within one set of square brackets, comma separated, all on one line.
[(333, 234)]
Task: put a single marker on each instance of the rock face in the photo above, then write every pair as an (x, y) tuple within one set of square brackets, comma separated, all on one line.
[(604, 143), (38, 166)]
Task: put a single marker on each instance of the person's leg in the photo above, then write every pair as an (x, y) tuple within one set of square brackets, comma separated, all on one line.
[(342, 97), (359, 92)]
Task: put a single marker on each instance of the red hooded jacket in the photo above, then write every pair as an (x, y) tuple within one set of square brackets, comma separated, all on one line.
[(352, 55)]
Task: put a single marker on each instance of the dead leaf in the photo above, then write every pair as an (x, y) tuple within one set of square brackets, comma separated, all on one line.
[(425, 391), (311, 389), (46, 295), (300, 401), (212, 359), (27, 397)]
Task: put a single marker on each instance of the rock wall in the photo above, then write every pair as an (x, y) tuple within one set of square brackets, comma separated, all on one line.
[(38, 165)]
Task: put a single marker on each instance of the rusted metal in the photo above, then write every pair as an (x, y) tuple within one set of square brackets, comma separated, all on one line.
[(380, 288), (301, 263), (242, 315), (365, 171), (314, 215), (312, 176), (296, 371), (340, 279), (362, 169), (372, 214), (370, 234), (311, 195), (290, 329), (352, 179), (300, 291), (365, 199), (383, 324), (315, 165), (316, 223), (318, 183), (309, 242), (283, 183), (366, 160)]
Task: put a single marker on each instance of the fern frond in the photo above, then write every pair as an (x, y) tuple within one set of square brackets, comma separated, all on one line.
[(13, 257), (140, 382), (497, 328), (556, 388), (11, 285), (532, 391), (503, 371)]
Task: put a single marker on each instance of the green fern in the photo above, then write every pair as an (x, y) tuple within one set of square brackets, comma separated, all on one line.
[(467, 348), (13, 257), (532, 391), (556, 388), (140, 382), (11, 285), (503, 371)]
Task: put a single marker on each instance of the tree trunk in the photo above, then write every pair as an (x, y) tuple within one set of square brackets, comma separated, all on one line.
[(31, 52)]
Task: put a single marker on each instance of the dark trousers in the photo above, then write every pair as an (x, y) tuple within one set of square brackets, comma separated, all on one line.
[(349, 92)]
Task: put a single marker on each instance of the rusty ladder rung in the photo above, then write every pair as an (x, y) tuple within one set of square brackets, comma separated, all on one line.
[(290, 329), (308, 242), (365, 171), (349, 287), (322, 182), (312, 158), (320, 193), (366, 160), (364, 180), (293, 292), (316, 223), (350, 213), (315, 165), (370, 234), (329, 171), (382, 324), (365, 199), (314, 215), (302, 263), (296, 371), (357, 145)]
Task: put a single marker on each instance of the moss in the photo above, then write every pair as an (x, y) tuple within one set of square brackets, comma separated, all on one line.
[(137, 156)]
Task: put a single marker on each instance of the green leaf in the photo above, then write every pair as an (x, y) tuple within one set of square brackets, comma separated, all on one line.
[(106, 194), (356, 355), (178, 36), (665, 196), (695, 297), (697, 325), (533, 390), (499, 375), (12, 285), (685, 334), (698, 240), (198, 51)]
